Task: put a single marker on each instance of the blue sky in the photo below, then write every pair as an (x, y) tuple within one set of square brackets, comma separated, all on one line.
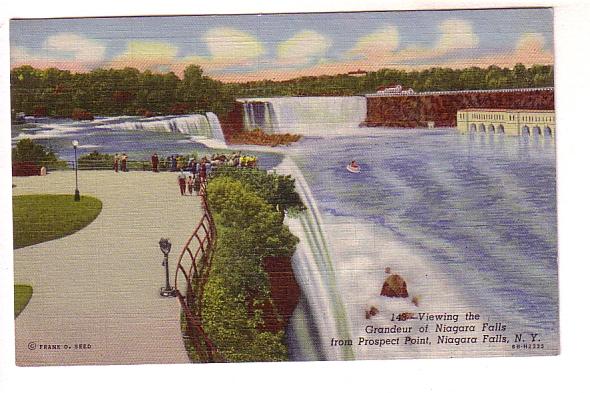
[(281, 46)]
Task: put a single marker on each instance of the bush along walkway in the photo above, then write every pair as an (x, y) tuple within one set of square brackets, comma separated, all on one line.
[(233, 298), (192, 273)]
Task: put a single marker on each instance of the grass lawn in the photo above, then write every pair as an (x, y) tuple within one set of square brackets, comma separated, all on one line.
[(22, 295), (39, 218)]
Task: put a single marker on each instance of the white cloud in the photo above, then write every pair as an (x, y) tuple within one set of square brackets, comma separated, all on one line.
[(456, 34), (151, 49), (82, 49), (144, 54), (531, 42), (382, 41), (303, 47), (230, 45)]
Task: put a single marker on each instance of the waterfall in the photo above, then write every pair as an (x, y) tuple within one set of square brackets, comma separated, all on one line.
[(215, 126), (268, 118), (196, 125), (259, 115), (314, 269), (319, 116)]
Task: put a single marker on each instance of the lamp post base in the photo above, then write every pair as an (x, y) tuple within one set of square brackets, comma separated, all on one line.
[(167, 292), (77, 196)]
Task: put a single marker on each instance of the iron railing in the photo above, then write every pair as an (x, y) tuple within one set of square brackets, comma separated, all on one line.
[(192, 272)]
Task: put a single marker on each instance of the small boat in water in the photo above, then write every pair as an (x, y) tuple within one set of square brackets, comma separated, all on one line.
[(353, 167)]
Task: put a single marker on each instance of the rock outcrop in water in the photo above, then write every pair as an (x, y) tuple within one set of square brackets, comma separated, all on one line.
[(394, 286)]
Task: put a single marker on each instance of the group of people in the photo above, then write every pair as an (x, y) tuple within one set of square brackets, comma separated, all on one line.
[(190, 183), (172, 163), (176, 162), (234, 159), (197, 175), (120, 161), (198, 172)]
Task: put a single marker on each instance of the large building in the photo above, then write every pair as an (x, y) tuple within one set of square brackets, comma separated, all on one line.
[(508, 121)]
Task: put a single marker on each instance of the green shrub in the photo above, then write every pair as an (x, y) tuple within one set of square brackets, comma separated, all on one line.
[(248, 229), (95, 160), (26, 150)]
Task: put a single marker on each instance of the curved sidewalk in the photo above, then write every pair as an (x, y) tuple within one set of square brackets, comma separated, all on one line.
[(100, 286)]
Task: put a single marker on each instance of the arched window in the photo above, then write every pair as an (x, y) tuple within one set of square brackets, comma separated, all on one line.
[(547, 132)]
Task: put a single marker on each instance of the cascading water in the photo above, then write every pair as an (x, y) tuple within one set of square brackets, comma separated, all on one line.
[(308, 116), (313, 265), (215, 127), (196, 125)]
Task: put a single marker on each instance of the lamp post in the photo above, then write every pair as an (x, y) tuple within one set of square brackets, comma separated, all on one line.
[(165, 247), (77, 192)]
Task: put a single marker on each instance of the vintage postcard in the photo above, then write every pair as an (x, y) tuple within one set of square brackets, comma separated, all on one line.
[(284, 187)]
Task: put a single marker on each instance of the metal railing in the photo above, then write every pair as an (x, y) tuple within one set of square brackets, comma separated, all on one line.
[(192, 272)]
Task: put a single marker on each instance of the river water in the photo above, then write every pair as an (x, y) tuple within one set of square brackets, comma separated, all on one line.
[(468, 220), (136, 136)]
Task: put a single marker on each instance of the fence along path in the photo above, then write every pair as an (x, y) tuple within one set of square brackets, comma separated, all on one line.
[(192, 272)]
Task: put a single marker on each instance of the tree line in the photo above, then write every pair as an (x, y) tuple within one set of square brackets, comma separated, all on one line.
[(114, 92), (128, 91), (433, 79)]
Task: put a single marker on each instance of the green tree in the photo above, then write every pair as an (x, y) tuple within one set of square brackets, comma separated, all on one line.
[(27, 150)]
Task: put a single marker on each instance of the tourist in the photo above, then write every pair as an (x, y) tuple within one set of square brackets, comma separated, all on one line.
[(180, 162), (155, 162), (174, 163), (208, 168), (197, 183), (124, 162), (203, 171), (190, 184), (193, 167), (182, 182), (116, 162)]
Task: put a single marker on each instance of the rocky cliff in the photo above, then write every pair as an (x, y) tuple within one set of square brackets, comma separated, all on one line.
[(411, 111)]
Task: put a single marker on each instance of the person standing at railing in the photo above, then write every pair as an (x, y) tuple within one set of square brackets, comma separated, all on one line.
[(116, 162), (203, 171), (174, 163), (155, 162), (124, 162)]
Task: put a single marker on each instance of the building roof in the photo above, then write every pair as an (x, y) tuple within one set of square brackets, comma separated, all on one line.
[(431, 93), (506, 110)]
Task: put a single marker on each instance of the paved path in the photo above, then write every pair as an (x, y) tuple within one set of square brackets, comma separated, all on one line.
[(100, 286)]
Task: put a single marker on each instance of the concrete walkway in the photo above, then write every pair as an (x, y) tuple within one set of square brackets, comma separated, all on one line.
[(100, 286)]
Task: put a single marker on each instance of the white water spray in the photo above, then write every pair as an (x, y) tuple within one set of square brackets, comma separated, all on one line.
[(308, 116), (314, 269), (196, 125)]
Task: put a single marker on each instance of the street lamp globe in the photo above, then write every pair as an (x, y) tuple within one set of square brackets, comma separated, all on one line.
[(75, 143)]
